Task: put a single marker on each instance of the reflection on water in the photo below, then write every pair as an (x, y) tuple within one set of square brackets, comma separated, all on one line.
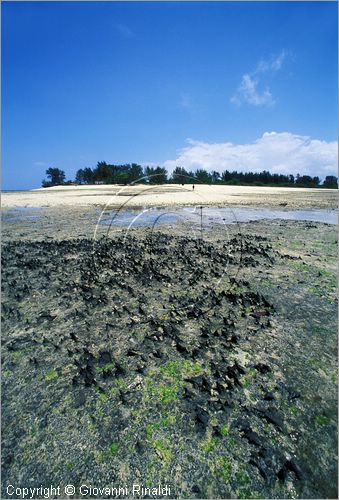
[(206, 215), (226, 215), (21, 213)]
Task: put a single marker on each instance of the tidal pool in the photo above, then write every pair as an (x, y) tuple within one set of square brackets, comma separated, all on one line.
[(206, 215), (22, 213)]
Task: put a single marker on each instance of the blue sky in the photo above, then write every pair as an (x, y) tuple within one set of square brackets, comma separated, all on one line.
[(199, 84)]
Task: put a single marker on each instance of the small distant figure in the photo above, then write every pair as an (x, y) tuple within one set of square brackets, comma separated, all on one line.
[(193, 187)]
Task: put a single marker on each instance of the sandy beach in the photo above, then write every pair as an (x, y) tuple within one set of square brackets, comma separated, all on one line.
[(170, 195)]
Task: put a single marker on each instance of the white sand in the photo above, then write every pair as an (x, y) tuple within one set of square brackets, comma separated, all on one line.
[(169, 195)]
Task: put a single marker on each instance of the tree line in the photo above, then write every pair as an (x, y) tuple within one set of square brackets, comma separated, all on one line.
[(105, 173)]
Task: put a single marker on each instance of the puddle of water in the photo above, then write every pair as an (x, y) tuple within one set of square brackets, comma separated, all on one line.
[(224, 215), (21, 213), (315, 215), (24, 209)]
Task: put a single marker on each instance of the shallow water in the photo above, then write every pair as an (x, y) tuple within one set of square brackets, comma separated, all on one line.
[(206, 215), (22, 213), (168, 215)]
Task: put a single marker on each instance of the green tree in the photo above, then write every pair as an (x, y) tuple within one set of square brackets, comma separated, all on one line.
[(103, 173), (56, 177), (203, 176), (180, 176), (215, 176), (88, 175), (121, 178), (330, 182), (84, 176), (307, 181), (135, 172), (161, 175), (156, 175), (79, 176)]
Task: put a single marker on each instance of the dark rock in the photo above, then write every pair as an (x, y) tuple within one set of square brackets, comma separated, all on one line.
[(241, 424), (104, 357), (272, 416), (196, 490), (269, 396), (293, 395), (261, 469), (132, 352), (262, 368), (79, 399), (181, 348), (201, 418), (139, 447), (44, 422), (252, 437), (289, 466)]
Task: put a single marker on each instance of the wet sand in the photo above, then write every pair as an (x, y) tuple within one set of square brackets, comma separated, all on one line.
[(171, 195), (207, 361)]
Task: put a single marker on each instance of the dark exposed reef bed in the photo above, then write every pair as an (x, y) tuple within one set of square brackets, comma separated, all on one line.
[(209, 365)]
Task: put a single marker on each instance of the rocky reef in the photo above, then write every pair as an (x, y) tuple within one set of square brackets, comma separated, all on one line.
[(162, 358)]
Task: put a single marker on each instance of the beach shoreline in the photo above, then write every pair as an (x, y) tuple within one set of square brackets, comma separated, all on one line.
[(137, 196)]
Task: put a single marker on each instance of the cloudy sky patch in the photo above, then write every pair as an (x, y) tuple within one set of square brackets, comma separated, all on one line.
[(252, 89), (276, 152)]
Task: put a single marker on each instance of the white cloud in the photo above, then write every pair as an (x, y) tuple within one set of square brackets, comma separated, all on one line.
[(277, 62), (271, 65), (284, 153), (248, 90)]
